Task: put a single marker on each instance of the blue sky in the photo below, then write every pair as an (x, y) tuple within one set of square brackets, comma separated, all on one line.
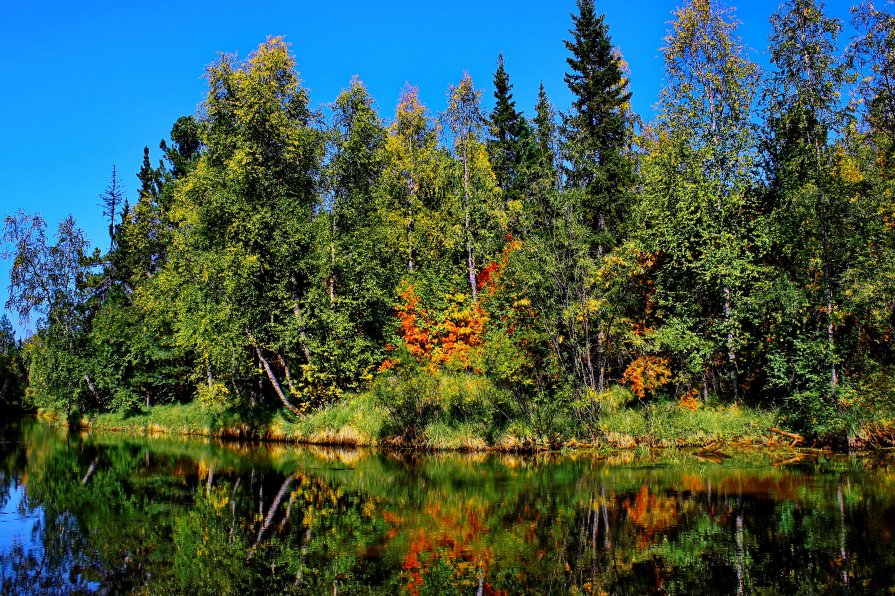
[(87, 85)]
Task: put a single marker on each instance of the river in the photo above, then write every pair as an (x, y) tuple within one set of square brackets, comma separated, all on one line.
[(113, 513)]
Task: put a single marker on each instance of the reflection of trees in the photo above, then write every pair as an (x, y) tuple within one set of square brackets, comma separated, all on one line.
[(168, 516)]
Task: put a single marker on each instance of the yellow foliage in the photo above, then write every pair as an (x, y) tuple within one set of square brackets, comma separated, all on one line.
[(646, 374)]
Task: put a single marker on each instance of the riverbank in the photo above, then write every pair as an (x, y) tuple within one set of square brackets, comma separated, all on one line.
[(359, 421)]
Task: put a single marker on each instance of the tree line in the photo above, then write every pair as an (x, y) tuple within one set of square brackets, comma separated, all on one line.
[(739, 248)]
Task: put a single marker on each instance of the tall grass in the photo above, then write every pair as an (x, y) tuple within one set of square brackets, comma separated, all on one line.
[(457, 412)]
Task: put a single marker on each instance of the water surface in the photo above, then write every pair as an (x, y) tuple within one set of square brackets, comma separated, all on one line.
[(113, 514)]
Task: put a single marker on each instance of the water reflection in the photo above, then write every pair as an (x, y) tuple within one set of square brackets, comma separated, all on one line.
[(114, 514)]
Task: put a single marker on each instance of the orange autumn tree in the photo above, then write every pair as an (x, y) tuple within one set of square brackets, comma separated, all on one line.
[(461, 330), (413, 321), (449, 337), (646, 374), (442, 339)]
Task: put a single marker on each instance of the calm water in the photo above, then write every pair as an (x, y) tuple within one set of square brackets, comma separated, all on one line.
[(115, 514)]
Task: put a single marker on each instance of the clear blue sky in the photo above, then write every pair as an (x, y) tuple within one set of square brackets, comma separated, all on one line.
[(86, 85)]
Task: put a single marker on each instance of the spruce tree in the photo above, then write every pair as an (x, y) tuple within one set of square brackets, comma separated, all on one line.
[(597, 132), (112, 198), (545, 140), (509, 135)]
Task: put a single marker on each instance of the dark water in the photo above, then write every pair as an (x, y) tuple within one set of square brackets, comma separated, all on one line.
[(117, 514)]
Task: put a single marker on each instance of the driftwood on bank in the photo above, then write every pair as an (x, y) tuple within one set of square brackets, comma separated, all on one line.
[(796, 438)]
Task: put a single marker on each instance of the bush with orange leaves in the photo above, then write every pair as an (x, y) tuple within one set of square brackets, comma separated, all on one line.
[(489, 277), (689, 400), (449, 338), (445, 340), (413, 321), (646, 374), (461, 330)]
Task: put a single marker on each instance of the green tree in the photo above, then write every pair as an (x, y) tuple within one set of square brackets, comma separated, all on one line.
[(815, 222), (48, 280), (240, 263), (466, 121), (598, 131), (413, 188), (510, 143), (698, 215), (12, 369), (112, 199), (354, 303)]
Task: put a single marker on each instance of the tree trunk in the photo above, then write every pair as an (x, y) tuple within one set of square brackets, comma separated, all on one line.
[(273, 380), (273, 508), (89, 471), (92, 387), (470, 260), (287, 373), (831, 339), (208, 372), (731, 349), (843, 553), (410, 235), (302, 333), (332, 262), (411, 192), (741, 554), (470, 263)]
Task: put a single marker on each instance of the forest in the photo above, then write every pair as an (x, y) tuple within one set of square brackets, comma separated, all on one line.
[(546, 277)]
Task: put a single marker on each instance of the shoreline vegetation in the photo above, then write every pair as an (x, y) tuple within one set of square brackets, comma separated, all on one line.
[(660, 427), (485, 279), (358, 421)]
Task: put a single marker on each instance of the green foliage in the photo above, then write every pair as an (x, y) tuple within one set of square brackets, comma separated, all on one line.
[(441, 410), (12, 369), (598, 131), (493, 279)]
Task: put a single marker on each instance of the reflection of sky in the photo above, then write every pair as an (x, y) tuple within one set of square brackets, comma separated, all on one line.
[(20, 525), (17, 520)]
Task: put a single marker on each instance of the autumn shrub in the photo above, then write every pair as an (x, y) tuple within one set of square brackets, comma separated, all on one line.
[(646, 374), (437, 338)]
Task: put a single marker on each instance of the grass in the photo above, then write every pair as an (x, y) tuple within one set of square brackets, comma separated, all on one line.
[(364, 420), (665, 424), (353, 421)]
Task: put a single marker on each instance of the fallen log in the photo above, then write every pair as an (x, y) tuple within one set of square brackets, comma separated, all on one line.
[(793, 436)]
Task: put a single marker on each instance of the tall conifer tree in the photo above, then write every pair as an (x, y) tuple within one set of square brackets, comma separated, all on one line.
[(510, 136), (598, 130)]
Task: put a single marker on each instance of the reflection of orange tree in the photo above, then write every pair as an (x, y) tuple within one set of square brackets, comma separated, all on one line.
[(651, 514), (447, 537)]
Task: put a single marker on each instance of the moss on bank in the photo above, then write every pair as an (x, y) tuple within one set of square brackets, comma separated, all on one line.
[(360, 420)]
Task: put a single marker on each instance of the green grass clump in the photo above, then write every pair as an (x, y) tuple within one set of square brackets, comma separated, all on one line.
[(462, 436), (354, 420), (666, 424), (183, 419)]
